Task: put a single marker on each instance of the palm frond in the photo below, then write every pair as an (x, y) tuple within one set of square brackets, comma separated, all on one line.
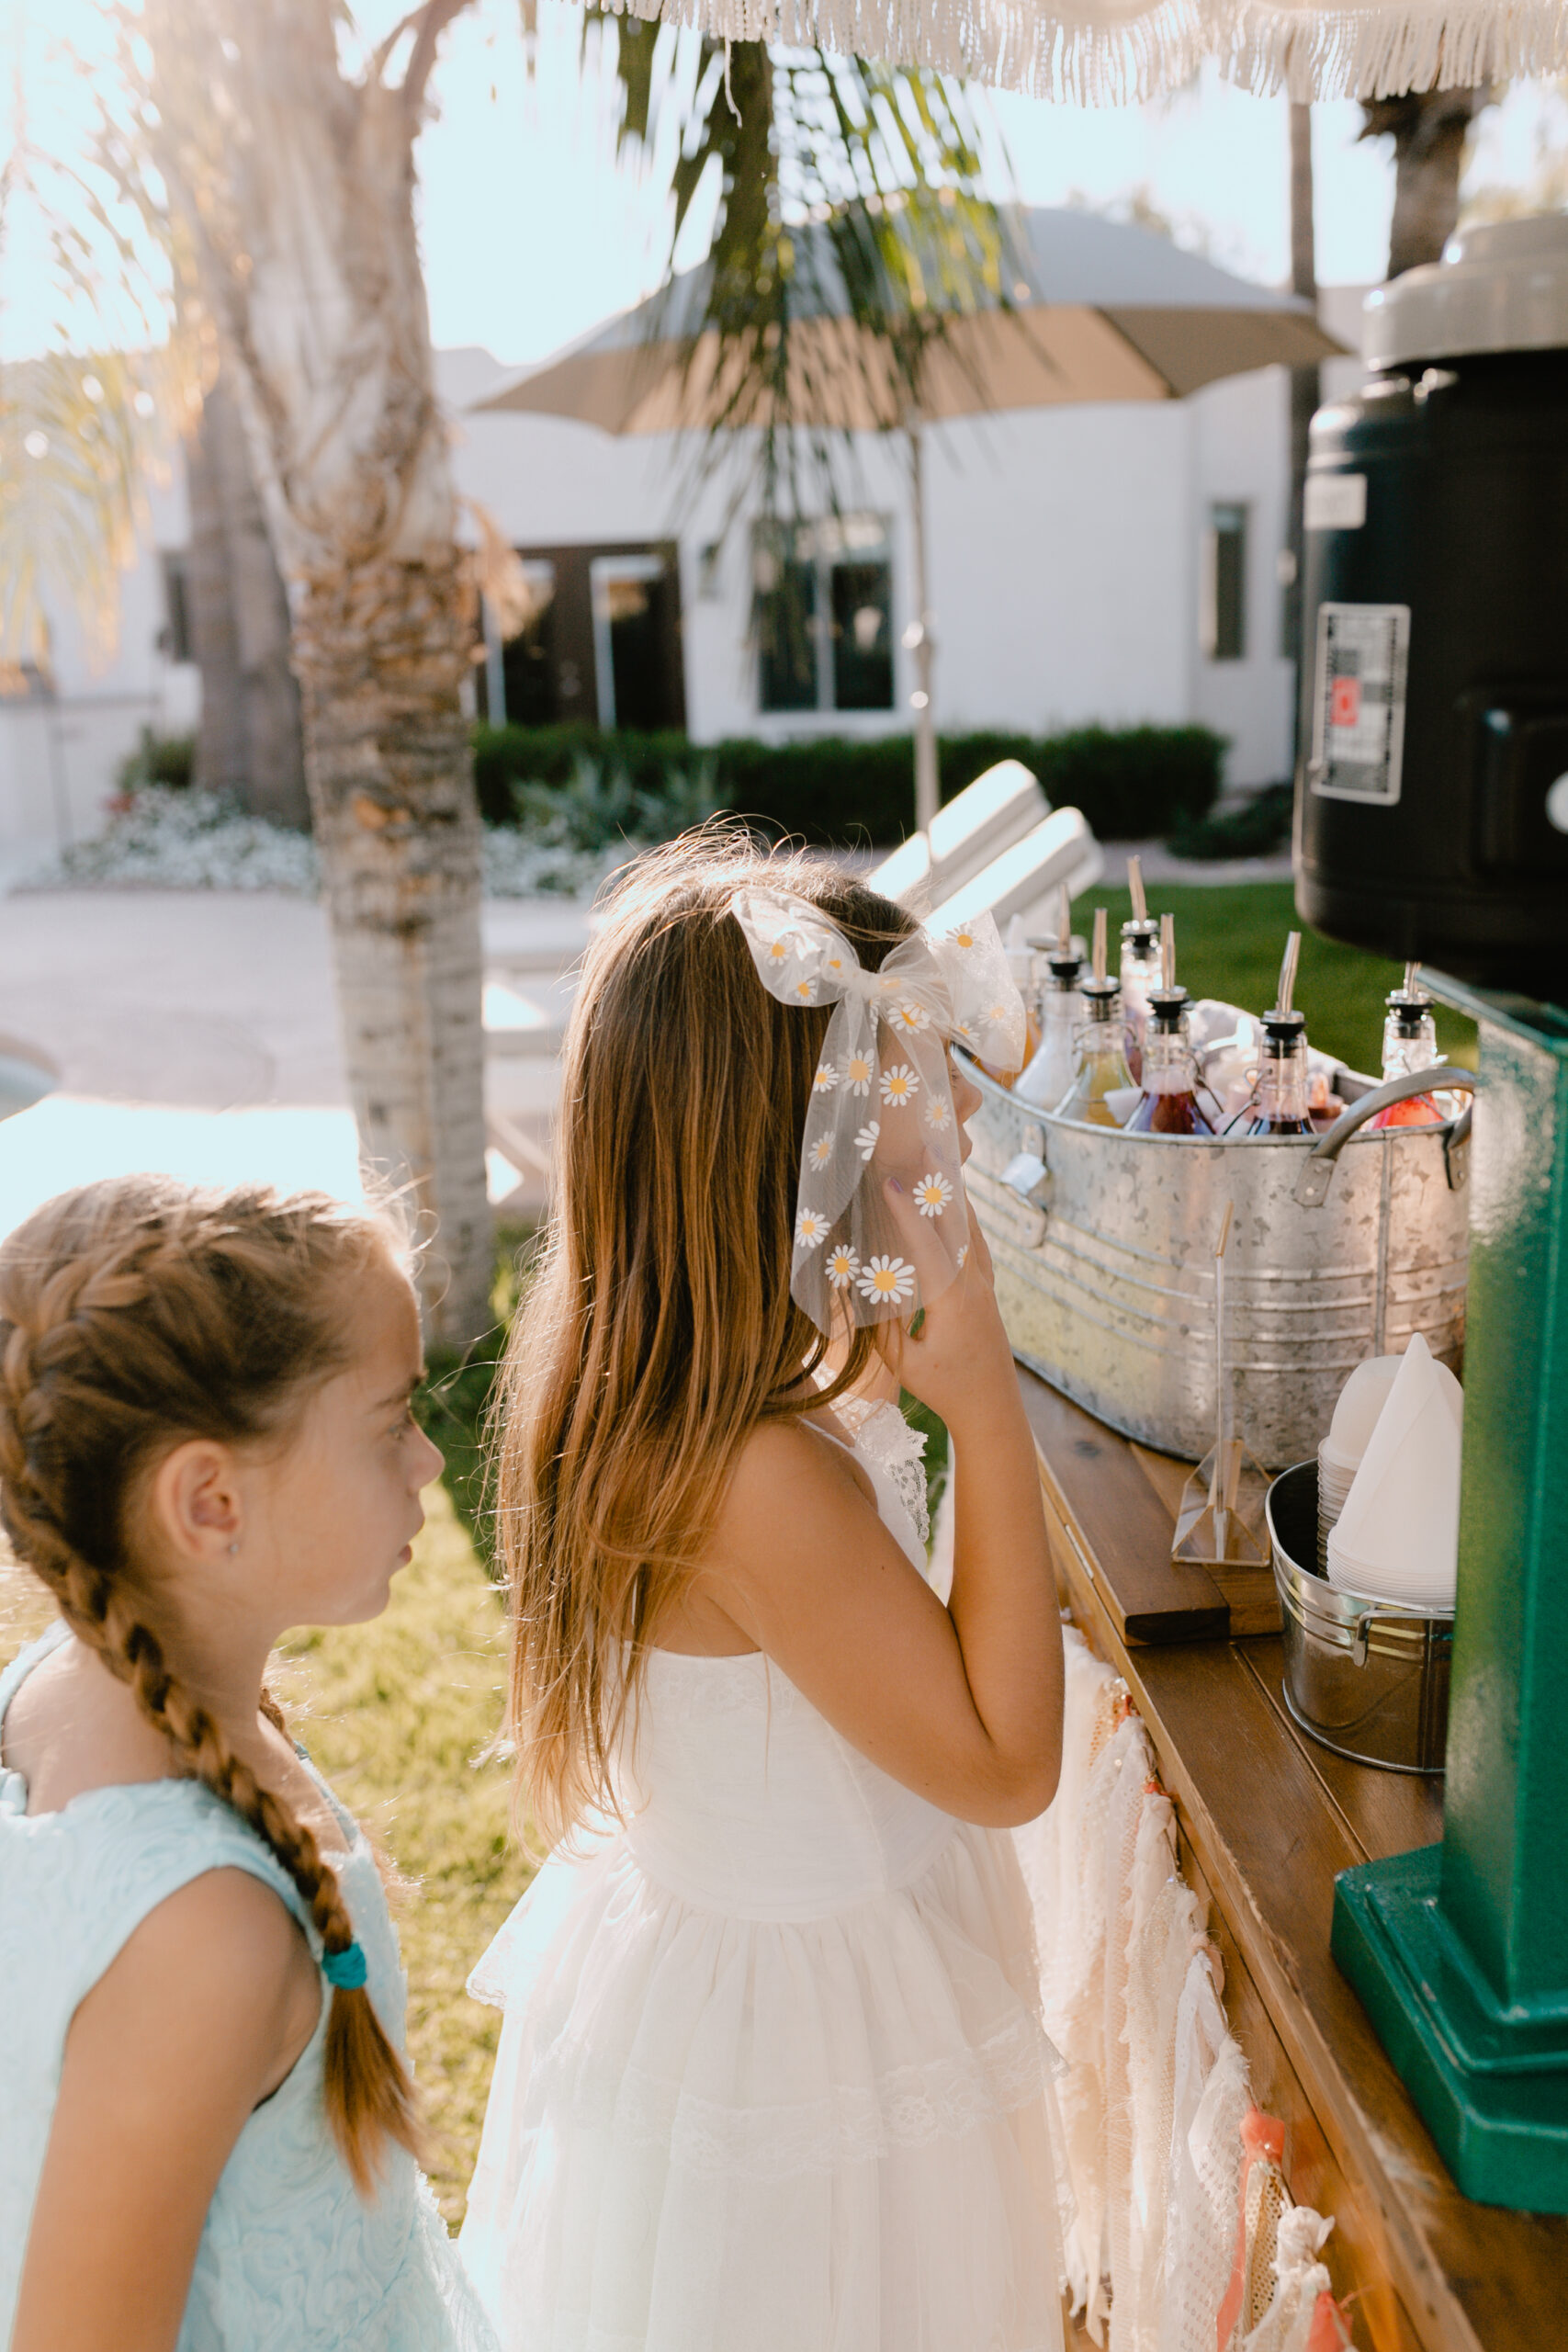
[(84, 427), (852, 231)]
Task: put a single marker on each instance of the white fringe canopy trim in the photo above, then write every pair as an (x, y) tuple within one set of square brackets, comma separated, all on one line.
[(1118, 55)]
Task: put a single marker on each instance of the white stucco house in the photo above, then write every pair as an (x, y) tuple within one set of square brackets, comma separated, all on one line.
[(1103, 563)]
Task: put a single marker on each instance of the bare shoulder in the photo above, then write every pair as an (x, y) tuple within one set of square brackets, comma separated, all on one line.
[(228, 1921), (219, 1972), (787, 1468)]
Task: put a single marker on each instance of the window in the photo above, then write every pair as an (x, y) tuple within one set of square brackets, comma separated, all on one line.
[(602, 642), (631, 595), (516, 683), (1223, 610), (824, 615)]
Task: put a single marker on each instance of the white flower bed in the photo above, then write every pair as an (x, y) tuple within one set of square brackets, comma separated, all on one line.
[(522, 866), (170, 840)]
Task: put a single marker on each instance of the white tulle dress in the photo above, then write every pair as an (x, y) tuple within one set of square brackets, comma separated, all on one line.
[(772, 2075)]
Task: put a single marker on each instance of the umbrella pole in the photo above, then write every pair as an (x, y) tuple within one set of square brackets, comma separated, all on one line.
[(918, 637)]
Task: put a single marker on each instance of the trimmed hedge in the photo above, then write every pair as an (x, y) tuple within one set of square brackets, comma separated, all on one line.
[(1131, 782)]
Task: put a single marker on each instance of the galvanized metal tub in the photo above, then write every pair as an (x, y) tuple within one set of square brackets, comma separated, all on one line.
[(1369, 1679), (1104, 1244)]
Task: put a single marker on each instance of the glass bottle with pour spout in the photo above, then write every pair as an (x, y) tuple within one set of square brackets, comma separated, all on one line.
[(1050, 1073), (1409, 1043), (1101, 1050), (1281, 1104), (1140, 967), (1169, 1105)]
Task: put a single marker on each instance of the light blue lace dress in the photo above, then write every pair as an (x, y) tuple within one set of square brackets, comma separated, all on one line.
[(292, 2259)]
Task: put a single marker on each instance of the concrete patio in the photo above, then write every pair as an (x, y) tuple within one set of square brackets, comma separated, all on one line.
[(196, 1031)]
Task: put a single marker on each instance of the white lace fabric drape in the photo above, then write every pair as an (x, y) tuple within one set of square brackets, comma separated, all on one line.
[(1156, 2094), (1115, 51)]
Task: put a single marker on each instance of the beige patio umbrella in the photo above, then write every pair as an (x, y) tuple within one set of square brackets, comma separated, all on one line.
[(1106, 312)]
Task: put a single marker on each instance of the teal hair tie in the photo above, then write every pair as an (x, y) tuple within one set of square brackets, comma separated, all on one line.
[(344, 1971)]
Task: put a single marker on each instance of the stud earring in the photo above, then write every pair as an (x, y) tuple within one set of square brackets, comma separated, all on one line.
[(233, 1547)]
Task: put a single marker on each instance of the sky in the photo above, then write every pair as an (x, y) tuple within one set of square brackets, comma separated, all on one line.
[(533, 233)]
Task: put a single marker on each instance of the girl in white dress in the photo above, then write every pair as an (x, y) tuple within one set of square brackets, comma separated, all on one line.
[(771, 2077)]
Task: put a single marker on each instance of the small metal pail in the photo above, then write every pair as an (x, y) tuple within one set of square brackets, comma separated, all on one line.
[(1368, 1679)]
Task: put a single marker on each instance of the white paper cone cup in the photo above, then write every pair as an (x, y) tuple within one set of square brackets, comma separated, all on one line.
[(1397, 1535)]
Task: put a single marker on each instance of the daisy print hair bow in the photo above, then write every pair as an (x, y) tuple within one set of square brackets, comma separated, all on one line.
[(881, 1104)]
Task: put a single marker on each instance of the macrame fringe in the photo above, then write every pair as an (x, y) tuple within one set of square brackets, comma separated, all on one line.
[(1124, 55)]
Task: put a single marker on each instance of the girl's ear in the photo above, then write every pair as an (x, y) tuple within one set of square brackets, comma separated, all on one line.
[(194, 1503)]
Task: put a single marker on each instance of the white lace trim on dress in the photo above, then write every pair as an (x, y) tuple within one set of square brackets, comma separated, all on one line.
[(886, 1438)]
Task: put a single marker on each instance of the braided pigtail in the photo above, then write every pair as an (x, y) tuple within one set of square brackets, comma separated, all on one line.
[(135, 1314)]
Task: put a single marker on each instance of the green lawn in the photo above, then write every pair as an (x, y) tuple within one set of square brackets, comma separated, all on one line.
[(1229, 939), (399, 1715)]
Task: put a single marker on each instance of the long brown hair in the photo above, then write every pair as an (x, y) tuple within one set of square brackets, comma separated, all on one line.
[(136, 1314), (658, 1329)]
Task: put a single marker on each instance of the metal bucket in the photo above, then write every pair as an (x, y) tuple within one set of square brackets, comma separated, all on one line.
[(1368, 1679), (1340, 1247)]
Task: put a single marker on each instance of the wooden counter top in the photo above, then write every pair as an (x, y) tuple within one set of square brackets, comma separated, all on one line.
[(1267, 1818)]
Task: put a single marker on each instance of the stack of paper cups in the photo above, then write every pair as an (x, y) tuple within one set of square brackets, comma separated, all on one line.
[(1397, 1537), (1340, 1456)]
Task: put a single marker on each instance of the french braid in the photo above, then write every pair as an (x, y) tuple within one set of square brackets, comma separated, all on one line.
[(135, 1314)]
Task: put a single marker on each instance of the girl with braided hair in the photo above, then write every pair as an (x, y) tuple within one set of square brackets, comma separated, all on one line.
[(206, 1438)]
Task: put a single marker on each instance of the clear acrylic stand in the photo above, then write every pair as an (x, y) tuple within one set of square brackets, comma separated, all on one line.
[(1220, 1517)]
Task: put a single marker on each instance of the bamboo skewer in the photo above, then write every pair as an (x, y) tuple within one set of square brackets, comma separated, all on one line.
[(1098, 944), (1135, 886)]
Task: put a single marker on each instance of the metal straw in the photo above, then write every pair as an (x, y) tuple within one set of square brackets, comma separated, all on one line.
[(1098, 944), (1288, 973), (1167, 951), (1136, 885)]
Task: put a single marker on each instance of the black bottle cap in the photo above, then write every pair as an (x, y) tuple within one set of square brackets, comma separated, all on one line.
[(1408, 1008), (1103, 998), (1065, 970), (1167, 1006), (1141, 937), (1282, 1030)]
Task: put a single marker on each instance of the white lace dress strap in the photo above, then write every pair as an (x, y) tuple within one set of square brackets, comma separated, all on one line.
[(887, 1445)]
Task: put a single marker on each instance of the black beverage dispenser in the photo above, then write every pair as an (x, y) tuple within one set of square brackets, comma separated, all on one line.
[(1432, 823), (1432, 803)]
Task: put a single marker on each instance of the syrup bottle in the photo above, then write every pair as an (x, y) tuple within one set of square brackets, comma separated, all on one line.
[(1100, 1045), (1050, 1073), (1140, 967), (1281, 1100), (1409, 1043), (1169, 1105)]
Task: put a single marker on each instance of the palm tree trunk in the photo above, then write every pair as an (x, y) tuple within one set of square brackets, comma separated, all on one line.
[(249, 740), (379, 650), (1429, 129), (292, 185)]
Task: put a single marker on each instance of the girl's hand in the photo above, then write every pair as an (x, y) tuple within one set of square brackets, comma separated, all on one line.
[(961, 1354)]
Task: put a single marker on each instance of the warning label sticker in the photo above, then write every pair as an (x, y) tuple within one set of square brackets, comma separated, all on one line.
[(1358, 735)]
